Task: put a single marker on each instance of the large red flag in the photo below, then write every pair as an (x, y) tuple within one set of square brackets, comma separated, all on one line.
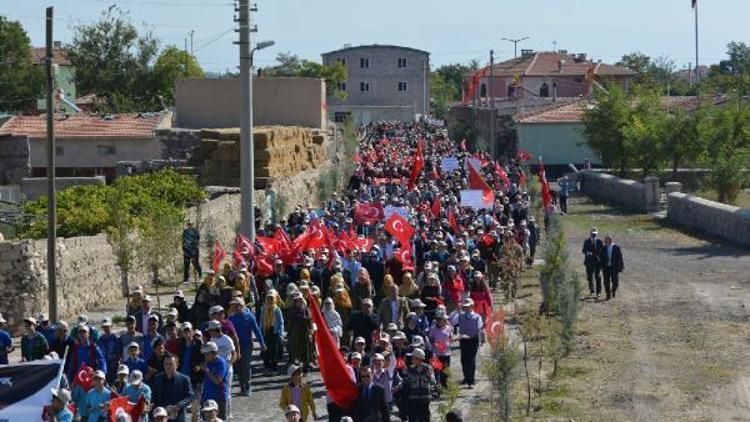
[(546, 194), (269, 244), (435, 210), (369, 212), (336, 377), (263, 265), (416, 170), (219, 255), (399, 228), (476, 181), (452, 221)]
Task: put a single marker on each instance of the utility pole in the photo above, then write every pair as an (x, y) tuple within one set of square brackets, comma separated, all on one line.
[(247, 145), (493, 141), (185, 64), (424, 88), (690, 74), (554, 46), (51, 191), (515, 44), (697, 67), (191, 41)]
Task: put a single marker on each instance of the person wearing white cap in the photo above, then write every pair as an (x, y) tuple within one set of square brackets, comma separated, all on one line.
[(211, 411), (246, 325), (44, 327), (440, 340), (385, 376), (227, 351), (33, 344), (95, 406), (136, 388), (122, 379), (59, 407), (592, 250), (470, 326), (84, 351), (111, 347), (142, 316), (419, 381), (216, 377), (134, 360), (298, 393), (160, 415), (362, 324), (151, 335), (6, 342), (292, 413)]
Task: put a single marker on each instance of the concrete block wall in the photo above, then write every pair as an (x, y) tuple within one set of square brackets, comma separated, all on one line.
[(636, 196), (725, 221), (35, 187), (14, 159)]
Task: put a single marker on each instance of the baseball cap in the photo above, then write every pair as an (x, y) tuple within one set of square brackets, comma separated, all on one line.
[(133, 344), (160, 411), (214, 325), (293, 369), (417, 353), (99, 374), (359, 340), (209, 347), (210, 405), (136, 377), (123, 369), (356, 355), (107, 322), (291, 409), (61, 394), (216, 310)]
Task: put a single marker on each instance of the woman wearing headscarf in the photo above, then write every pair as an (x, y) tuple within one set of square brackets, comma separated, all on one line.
[(333, 320), (387, 283), (134, 304), (479, 291), (272, 324), (408, 287), (343, 305), (431, 294), (300, 329), (203, 299), (363, 289), (453, 288)]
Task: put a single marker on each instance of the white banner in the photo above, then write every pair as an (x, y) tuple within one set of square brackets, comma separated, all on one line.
[(390, 210), (473, 198), (25, 389), (449, 164)]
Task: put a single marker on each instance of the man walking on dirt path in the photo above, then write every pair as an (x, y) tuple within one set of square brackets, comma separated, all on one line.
[(610, 259), (592, 248)]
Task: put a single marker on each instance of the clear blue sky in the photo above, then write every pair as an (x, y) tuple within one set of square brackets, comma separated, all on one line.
[(453, 31)]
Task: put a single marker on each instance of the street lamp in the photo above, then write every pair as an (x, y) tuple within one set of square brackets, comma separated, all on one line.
[(247, 148), (515, 44)]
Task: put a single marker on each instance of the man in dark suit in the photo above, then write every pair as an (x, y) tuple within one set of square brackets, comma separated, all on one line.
[(592, 248), (142, 316), (370, 405), (610, 259)]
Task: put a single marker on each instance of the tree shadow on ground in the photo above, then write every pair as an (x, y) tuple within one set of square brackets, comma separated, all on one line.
[(714, 246)]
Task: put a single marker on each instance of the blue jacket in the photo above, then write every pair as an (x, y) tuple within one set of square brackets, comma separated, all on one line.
[(278, 326), (90, 354), (245, 324)]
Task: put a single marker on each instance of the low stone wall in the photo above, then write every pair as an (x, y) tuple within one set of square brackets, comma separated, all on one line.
[(636, 196), (728, 222), (35, 187)]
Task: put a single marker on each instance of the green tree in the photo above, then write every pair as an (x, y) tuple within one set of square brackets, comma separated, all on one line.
[(645, 132), (738, 62), (114, 61), (726, 135), (21, 81), (174, 63), (604, 126), (446, 83), (682, 143), (291, 65)]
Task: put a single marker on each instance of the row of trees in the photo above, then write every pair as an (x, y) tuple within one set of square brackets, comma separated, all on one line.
[(123, 67), (290, 65), (637, 129)]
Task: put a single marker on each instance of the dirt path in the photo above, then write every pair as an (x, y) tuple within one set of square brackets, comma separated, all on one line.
[(674, 343)]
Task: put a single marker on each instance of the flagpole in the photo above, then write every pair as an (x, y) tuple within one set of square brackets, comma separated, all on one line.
[(697, 67)]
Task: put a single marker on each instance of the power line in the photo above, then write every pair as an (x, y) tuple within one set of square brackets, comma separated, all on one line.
[(161, 3), (214, 39)]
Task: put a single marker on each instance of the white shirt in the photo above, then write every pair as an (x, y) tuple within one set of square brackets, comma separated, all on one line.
[(226, 346)]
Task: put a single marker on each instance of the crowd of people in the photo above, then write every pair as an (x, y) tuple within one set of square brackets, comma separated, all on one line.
[(396, 308)]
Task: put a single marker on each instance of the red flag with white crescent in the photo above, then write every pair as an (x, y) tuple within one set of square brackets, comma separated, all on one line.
[(403, 256), (416, 170), (84, 377), (399, 228), (476, 181), (494, 327), (369, 212), (219, 255)]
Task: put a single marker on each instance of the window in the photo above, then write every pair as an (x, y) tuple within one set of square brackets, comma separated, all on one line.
[(483, 91), (341, 86), (364, 63), (402, 62), (341, 116), (544, 90), (364, 87), (577, 80), (106, 150), (341, 61), (58, 150), (511, 91), (402, 86)]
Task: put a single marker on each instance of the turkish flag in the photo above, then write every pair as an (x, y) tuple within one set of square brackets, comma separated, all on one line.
[(502, 175), (263, 265), (436, 363), (494, 327), (435, 210), (242, 244), (133, 409), (523, 155), (84, 377), (269, 244), (546, 194), (316, 237), (476, 181), (339, 386), (369, 212), (364, 243), (219, 255), (416, 170), (399, 228), (282, 238), (403, 256), (344, 242), (452, 221)]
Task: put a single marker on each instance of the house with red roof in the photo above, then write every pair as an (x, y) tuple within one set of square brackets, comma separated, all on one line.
[(86, 144)]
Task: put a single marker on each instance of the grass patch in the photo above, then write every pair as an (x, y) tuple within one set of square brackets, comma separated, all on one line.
[(561, 391)]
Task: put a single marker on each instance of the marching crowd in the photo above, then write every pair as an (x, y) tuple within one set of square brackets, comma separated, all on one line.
[(395, 298)]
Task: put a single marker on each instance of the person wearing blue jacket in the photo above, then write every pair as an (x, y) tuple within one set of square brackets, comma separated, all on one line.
[(246, 325), (272, 322), (84, 351)]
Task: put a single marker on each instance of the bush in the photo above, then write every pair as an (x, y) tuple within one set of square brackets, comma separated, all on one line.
[(86, 210)]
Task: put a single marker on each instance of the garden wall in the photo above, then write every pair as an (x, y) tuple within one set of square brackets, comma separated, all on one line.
[(728, 222), (637, 196)]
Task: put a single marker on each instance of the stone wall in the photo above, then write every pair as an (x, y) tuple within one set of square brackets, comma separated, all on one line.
[(14, 159), (636, 196), (728, 222)]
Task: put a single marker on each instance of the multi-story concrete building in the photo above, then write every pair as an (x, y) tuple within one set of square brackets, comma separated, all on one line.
[(385, 82)]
